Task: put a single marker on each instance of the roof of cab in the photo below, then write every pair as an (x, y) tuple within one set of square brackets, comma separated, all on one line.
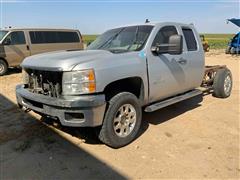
[(154, 24)]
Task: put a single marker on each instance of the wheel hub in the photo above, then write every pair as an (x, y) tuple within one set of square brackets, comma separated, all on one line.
[(125, 120)]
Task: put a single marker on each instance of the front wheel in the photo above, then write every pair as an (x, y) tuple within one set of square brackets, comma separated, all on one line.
[(122, 120), (3, 67)]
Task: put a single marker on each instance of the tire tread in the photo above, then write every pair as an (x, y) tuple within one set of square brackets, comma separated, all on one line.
[(103, 134), (218, 83)]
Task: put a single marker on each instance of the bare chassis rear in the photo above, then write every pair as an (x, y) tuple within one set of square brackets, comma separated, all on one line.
[(210, 72)]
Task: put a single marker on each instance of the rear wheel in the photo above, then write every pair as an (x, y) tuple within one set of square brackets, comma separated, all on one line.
[(233, 50), (122, 120), (238, 50), (3, 67), (227, 51), (222, 84), (208, 48)]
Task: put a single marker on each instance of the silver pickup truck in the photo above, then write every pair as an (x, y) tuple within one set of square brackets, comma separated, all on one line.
[(124, 71)]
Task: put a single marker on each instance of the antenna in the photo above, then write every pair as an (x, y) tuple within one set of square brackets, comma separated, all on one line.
[(147, 21)]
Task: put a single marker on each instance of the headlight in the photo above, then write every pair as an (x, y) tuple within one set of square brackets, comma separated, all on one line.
[(78, 82)]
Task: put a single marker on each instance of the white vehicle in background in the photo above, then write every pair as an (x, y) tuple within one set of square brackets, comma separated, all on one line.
[(17, 44)]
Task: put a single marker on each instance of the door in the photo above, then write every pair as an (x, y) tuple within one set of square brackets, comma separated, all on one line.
[(167, 73), (193, 53), (16, 48)]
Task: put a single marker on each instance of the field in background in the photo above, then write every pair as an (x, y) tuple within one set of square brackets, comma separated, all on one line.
[(216, 41), (89, 38)]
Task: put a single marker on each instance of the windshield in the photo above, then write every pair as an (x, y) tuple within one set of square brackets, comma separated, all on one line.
[(2, 34), (124, 39)]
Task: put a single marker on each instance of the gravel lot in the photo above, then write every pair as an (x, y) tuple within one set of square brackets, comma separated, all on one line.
[(185, 140)]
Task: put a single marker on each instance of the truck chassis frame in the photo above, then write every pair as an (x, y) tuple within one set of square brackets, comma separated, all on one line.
[(209, 75), (205, 88)]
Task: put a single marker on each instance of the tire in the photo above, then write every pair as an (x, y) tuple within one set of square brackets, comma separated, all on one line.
[(208, 49), (238, 50), (120, 126), (232, 50), (222, 83), (3, 67), (227, 51)]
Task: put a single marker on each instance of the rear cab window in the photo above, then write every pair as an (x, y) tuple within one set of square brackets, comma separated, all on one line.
[(45, 37), (190, 39)]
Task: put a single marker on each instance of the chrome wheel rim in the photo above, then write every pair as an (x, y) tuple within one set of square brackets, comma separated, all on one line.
[(1, 68), (124, 120), (227, 84)]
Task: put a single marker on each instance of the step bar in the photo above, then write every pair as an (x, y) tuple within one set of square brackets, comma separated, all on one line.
[(173, 100)]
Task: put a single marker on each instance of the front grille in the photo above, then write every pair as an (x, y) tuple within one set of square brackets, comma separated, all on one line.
[(48, 83)]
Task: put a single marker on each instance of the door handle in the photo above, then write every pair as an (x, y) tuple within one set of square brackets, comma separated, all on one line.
[(28, 47), (182, 61)]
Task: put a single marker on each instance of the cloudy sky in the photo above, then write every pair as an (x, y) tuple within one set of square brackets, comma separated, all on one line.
[(96, 16)]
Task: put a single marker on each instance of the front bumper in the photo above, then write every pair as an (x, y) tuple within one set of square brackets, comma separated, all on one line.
[(77, 111)]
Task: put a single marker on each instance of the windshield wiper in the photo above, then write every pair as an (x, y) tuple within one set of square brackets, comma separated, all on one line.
[(111, 39)]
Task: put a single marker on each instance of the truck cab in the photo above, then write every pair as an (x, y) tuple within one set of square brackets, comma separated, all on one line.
[(126, 69)]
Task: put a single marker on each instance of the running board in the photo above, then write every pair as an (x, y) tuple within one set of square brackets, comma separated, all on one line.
[(172, 100)]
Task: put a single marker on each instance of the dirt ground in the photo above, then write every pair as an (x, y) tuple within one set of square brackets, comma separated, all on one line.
[(185, 140)]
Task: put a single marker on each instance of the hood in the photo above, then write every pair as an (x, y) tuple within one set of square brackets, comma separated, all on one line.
[(63, 60)]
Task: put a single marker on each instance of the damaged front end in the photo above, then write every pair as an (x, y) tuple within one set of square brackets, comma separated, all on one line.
[(42, 92), (48, 83)]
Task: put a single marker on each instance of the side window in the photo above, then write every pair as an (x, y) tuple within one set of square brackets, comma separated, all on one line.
[(40, 37), (164, 34), (37, 37), (17, 38), (43, 37), (190, 39), (50, 37), (68, 37)]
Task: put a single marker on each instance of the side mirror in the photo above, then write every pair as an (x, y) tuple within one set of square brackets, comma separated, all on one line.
[(174, 46), (7, 41)]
